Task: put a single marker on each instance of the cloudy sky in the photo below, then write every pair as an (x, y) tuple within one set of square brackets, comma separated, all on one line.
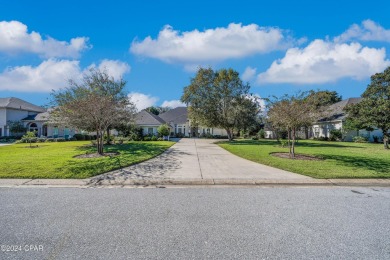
[(156, 46)]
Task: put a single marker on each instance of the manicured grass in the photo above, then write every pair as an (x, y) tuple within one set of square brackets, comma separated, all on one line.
[(341, 160), (55, 160)]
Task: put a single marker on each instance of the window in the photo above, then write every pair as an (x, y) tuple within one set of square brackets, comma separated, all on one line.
[(55, 132), (33, 128), (0, 132), (208, 130), (150, 130)]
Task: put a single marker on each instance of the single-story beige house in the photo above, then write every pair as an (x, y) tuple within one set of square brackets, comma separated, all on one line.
[(335, 119), (178, 122)]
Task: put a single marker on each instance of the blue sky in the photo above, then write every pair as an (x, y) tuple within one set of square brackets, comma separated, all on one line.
[(280, 47)]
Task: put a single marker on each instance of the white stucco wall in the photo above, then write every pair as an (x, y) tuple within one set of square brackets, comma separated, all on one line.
[(3, 120)]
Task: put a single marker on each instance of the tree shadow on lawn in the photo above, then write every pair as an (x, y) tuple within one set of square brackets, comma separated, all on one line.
[(87, 167), (298, 144), (380, 166)]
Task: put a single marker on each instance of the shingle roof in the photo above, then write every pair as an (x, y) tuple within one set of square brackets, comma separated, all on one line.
[(146, 118), (336, 111), (38, 117), (16, 103), (177, 115)]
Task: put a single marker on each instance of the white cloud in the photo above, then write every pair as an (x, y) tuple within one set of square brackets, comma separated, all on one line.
[(173, 103), (114, 68), (367, 31), (221, 43), (142, 101), (323, 61), (50, 74), (248, 74), (15, 38)]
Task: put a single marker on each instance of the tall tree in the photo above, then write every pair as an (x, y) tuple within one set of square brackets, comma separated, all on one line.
[(157, 110), (219, 99), (374, 108), (291, 113), (324, 97), (95, 103)]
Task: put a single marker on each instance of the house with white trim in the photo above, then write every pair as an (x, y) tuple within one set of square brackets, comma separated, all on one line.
[(178, 122), (335, 117), (33, 117)]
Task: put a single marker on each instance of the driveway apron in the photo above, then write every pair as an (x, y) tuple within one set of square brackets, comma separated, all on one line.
[(192, 158)]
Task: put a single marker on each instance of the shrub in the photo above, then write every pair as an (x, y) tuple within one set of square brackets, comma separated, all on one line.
[(60, 139), (255, 138), (93, 142), (72, 139), (335, 134), (49, 140), (79, 137), (154, 138), (360, 139), (261, 134), (377, 139), (160, 139), (41, 140), (163, 130), (179, 135), (147, 138), (321, 138)]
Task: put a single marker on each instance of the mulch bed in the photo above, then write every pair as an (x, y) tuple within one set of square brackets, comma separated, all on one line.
[(297, 156), (94, 155)]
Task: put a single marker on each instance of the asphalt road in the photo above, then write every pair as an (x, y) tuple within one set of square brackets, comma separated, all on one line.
[(195, 223)]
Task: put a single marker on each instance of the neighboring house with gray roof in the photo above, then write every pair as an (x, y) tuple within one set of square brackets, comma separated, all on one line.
[(33, 117), (178, 122), (148, 122), (15, 109), (335, 117)]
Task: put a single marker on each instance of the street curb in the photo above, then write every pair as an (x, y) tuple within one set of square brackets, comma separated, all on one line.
[(84, 183)]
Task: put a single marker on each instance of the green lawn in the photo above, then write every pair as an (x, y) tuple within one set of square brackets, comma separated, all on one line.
[(341, 160), (55, 160)]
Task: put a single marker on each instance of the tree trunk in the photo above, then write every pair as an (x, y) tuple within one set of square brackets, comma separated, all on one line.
[(108, 136), (306, 132), (99, 142), (385, 140), (288, 142), (229, 134), (293, 144)]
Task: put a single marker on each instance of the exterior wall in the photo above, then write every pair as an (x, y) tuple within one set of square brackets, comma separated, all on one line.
[(323, 129), (3, 121), (62, 132), (145, 129), (212, 131), (181, 128), (269, 134), (9, 114)]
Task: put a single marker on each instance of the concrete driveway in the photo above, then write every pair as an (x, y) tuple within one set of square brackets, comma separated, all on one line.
[(197, 159)]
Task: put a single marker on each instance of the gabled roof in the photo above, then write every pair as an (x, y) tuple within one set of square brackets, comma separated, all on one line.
[(178, 115), (146, 118), (336, 111), (38, 117), (16, 103)]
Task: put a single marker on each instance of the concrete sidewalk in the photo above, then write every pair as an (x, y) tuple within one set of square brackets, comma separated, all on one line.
[(85, 183)]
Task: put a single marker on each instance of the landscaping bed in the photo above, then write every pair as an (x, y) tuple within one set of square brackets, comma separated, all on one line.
[(334, 159), (56, 160)]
